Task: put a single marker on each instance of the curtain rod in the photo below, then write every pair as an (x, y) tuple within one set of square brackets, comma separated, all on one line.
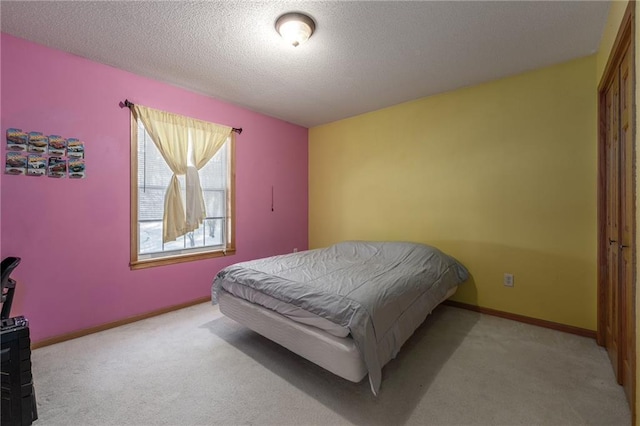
[(128, 104)]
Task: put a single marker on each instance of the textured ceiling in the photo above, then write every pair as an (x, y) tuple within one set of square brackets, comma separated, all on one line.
[(365, 55)]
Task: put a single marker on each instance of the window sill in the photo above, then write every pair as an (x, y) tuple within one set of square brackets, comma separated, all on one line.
[(170, 260)]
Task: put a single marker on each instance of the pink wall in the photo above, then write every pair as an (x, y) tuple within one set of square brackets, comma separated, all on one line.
[(73, 235)]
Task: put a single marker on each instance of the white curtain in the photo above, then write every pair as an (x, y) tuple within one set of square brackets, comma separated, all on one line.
[(174, 135), (206, 141)]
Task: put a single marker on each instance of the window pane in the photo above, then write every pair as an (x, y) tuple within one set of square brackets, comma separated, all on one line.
[(214, 174), (215, 203), (214, 235), (152, 169), (195, 238), (150, 237), (178, 244), (151, 203)]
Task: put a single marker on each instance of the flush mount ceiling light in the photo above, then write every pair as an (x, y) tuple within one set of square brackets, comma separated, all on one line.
[(295, 28)]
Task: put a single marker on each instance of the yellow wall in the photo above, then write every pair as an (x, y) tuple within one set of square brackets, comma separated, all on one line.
[(500, 175)]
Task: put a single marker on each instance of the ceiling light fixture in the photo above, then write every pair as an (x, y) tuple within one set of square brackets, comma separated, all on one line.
[(295, 28)]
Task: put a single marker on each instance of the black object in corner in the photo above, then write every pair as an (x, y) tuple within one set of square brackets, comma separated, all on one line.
[(17, 394), (8, 285)]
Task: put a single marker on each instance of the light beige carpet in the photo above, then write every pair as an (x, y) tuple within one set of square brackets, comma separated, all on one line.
[(196, 367)]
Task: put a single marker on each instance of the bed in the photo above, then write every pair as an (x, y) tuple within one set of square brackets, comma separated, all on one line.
[(348, 307)]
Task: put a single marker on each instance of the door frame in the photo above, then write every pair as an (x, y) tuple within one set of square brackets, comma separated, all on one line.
[(624, 39)]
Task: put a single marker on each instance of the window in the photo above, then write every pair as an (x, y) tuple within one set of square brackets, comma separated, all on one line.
[(150, 179)]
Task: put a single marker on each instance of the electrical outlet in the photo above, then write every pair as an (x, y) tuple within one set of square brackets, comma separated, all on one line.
[(295, 250), (508, 280)]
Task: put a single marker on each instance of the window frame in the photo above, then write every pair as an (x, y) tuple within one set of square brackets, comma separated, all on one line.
[(229, 229)]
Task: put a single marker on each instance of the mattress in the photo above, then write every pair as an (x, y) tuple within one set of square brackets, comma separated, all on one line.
[(338, 355)]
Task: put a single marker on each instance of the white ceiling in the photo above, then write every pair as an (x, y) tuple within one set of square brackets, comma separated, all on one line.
[(365, 55)]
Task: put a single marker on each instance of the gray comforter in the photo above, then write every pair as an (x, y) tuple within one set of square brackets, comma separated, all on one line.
[(364, 286)]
